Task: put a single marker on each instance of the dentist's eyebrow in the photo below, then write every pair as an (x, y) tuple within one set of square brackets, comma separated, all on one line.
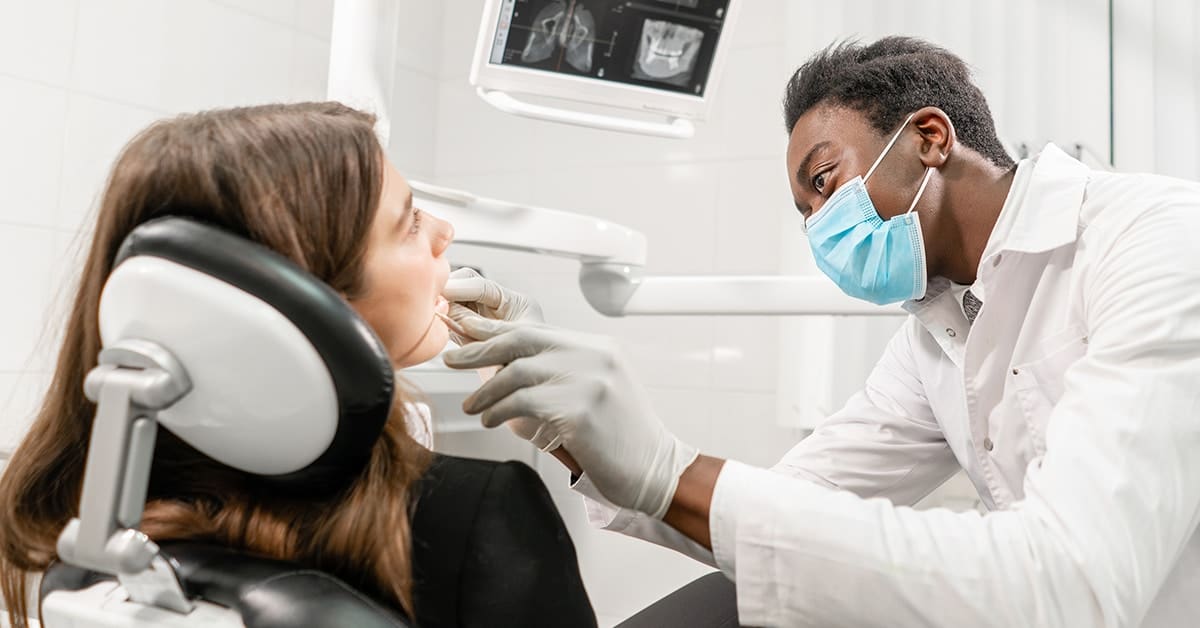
[(801, 176)]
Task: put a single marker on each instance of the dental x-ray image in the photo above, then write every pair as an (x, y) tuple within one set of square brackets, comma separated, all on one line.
[(660, 44), (560, 26), (667, 52)]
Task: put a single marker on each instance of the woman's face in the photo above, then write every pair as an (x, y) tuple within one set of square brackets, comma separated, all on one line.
[(404, 274)]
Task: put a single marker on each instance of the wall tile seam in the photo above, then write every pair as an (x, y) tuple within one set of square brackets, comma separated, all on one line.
[(69, 91), (8, 222), (274, 22)]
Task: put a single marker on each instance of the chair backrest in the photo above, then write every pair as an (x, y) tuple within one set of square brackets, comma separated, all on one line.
[(230, 346), (264, 593)]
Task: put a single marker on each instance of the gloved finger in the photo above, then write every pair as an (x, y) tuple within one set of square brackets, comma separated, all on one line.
[(457, 314), (529, 403), (522, 373), (500, 343), (466, 272), (458, 311), (514, 406), (475, 290)]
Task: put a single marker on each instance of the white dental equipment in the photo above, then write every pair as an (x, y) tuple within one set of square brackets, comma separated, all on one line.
[(659, 57), (613, 257)]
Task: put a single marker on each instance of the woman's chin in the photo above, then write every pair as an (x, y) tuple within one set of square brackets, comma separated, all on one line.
[(433, 344)]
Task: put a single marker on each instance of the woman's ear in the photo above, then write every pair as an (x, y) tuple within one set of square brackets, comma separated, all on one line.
[(937, 135)]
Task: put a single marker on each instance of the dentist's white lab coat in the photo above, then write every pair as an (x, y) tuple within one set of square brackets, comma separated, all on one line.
[(1073, 403)]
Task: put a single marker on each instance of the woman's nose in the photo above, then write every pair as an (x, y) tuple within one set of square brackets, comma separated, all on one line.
[(440, 236)]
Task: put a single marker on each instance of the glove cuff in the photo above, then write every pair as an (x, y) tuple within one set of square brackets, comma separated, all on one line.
[(659, 487)]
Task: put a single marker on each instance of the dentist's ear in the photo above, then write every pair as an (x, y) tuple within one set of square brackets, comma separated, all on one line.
[(937, 135)]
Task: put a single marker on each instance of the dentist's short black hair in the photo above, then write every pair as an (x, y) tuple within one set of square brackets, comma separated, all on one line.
[(888, 80)]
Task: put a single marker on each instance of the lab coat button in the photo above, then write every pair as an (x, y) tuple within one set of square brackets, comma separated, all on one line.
[(951, 332), (987, 444), (1016, 372)]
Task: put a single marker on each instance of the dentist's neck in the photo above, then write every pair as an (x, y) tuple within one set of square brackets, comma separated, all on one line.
[(974, 191)]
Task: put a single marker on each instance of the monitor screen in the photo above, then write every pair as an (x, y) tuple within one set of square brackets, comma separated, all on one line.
[(661, 44)]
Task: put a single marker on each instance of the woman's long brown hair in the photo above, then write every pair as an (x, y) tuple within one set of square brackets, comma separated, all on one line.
[(304, 180)]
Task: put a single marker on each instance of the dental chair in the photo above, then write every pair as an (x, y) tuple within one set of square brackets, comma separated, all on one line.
[(256, 364)]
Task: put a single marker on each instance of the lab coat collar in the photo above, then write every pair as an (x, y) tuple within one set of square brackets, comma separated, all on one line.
[(1046, 219), (1049, 215)]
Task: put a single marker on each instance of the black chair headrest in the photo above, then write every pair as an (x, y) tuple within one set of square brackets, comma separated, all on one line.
[(289, 383)]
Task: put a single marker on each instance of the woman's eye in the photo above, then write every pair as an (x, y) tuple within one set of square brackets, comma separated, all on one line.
[(416, 226), (818, 183)]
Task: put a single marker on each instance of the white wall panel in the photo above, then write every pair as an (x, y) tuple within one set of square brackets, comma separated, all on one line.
[(37, 39), (31, 116), (78, 80), (1156, 73)]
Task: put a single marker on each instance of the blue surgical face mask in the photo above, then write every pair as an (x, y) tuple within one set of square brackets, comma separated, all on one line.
[(869, 258)]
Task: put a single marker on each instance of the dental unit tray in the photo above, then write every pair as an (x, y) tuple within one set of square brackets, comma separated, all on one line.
[(613, 259), (658, 57)]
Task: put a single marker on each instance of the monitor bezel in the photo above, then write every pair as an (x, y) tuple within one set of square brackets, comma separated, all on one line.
[(514, 79)]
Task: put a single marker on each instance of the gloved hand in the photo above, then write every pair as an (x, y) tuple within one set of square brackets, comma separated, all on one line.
[(540, 434), (490, 299), (578, 385)]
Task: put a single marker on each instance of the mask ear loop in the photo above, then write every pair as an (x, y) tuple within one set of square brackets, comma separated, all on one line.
[(887, 148), (920, 190)]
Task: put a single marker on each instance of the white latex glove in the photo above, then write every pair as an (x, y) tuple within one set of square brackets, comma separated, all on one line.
[(578, 385), (540, 434), (490, 299)]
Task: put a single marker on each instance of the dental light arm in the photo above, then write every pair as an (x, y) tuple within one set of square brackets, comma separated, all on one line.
[(613, 259), (362, 51)]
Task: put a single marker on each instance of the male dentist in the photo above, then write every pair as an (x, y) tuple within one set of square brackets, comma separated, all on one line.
[(1053, 352)]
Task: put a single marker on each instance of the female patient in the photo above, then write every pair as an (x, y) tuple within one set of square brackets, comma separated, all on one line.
[(451, 541)]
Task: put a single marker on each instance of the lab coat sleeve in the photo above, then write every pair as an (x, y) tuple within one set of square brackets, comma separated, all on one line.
[(603, 514), (885, 442), (1107, 509)]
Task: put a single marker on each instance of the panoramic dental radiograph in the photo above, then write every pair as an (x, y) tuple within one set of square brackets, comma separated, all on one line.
[(667, 51)]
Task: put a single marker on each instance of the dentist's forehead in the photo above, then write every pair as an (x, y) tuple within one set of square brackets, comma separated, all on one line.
[(837, 127)]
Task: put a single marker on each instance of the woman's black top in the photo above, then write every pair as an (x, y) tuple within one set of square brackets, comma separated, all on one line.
[(490, 549)]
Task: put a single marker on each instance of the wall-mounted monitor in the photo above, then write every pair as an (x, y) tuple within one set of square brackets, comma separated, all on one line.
[(659, 56)]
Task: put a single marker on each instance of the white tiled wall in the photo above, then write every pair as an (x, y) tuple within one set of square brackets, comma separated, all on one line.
[(77, 79), (713, 204)]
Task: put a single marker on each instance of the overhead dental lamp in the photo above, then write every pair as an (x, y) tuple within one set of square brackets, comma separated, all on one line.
[(639, 57)]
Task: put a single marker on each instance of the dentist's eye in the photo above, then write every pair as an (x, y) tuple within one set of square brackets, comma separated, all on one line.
[(819, 181)]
